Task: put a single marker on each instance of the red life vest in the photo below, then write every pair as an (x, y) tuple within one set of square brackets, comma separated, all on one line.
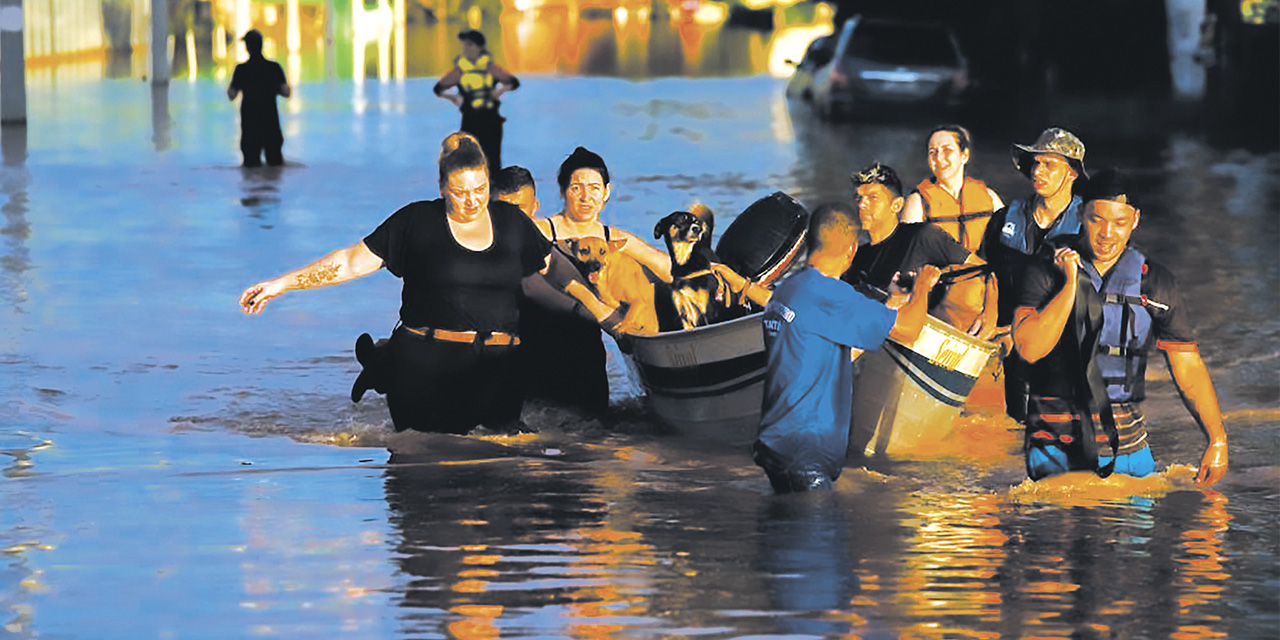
[(965, 220)]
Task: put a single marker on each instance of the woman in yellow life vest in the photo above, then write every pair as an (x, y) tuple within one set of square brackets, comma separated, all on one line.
[(957, 204), (479, 82)]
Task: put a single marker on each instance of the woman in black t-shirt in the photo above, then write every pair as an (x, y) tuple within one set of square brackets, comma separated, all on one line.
[(448, 367)]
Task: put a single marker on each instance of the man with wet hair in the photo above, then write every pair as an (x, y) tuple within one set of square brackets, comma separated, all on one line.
[(1087, 325), (896, 250), (1035, 225), (479, 82), (810, 325), (260, 80), (514, 184)]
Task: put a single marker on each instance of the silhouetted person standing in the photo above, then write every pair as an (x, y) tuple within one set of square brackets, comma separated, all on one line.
[(480, 82), (260, 80)]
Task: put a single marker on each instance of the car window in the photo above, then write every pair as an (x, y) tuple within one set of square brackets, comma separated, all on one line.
[(902, 44), (819, 52)]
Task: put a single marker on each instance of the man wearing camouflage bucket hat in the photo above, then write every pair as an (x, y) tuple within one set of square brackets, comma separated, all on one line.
[(1033, 226)]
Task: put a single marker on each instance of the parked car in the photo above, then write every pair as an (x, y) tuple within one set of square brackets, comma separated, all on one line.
[(891, 62), (816, 56)]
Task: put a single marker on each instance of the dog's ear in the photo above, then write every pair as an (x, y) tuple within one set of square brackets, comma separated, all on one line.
[(660, 229), (617, 245), (573, 246)]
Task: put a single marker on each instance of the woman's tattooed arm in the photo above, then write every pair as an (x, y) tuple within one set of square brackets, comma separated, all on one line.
[(318, 274)]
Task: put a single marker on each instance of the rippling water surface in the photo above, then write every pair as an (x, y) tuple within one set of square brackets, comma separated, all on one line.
[(172, 468)]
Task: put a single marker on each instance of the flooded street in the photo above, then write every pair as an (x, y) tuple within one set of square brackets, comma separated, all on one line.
[(175, 469)]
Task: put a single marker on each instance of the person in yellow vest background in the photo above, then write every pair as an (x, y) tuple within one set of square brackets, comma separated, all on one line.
[(479, 82)]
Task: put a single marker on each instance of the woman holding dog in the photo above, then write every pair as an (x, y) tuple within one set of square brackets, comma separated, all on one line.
[(584, 185), (565, 352), (449, 365)]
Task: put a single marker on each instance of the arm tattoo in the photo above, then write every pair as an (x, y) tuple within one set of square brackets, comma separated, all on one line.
[(322, 274)]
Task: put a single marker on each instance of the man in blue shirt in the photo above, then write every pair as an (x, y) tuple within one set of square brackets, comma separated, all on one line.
[(810, 326)]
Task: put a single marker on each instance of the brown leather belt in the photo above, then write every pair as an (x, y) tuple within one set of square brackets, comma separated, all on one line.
[(492, 339)]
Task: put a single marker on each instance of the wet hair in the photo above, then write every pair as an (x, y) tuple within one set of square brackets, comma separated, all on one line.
[(877, 173), (581, 159), (831, 218), (1108, 184), (460, 151), (963, 139), (509, 180)]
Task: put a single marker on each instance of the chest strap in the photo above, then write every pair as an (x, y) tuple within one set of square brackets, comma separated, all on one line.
[(963, 217)]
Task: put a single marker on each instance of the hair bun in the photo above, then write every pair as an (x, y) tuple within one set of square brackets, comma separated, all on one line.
[(458, 140), (460, 150), (581, 158)]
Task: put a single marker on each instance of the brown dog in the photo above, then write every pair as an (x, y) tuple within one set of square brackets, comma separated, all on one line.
[(618, 278)]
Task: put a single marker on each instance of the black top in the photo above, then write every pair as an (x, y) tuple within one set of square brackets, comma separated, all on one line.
[(259, 80), (1042, 280), (448, 286), (1056, 374), (910, 247), (1159, 285)]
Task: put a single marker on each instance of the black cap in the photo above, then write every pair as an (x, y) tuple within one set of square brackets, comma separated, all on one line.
[(252, 35), (473, 36), (1109, 184)]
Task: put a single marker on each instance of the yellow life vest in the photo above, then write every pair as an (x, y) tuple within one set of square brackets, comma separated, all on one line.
[(965, 220), (476, 84)]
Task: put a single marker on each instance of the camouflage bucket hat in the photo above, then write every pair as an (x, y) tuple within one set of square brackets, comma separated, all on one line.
[(1053, 140)]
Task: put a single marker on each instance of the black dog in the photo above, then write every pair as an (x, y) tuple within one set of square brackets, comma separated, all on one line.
[(699, 296)]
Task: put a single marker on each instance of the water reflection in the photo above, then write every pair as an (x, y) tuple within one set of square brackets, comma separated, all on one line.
[(390, 40), (826, 152), (1148, 568), (24, 523), (1204, 578), (806, 553), (485, 541), (950, 572), (260, 193)]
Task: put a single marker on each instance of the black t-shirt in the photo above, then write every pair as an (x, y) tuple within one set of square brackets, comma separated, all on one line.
[(1042, 280), (448, 286), (1168, 326), (259, 80), (1055, 374), (910, 247)]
